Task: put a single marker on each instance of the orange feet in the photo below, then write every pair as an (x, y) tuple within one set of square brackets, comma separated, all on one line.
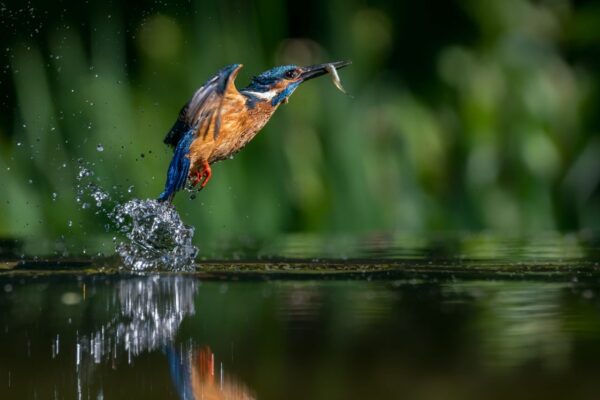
[(205, 173)]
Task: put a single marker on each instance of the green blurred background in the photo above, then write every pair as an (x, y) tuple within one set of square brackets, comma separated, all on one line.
[(464, 115)]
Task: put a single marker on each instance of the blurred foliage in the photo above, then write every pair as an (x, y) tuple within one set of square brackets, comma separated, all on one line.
[(463, 115)]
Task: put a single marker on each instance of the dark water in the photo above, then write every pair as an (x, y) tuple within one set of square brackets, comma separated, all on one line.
[(377, 317)]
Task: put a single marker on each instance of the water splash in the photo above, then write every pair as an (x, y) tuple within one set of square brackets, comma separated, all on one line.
[(155, 236)]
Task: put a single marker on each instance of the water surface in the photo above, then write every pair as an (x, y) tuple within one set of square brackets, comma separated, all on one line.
[(299, 317)]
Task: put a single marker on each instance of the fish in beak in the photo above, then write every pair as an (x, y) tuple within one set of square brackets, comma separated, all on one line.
[(313, 71)]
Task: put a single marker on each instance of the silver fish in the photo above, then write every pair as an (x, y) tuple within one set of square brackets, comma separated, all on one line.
[(335, 78)]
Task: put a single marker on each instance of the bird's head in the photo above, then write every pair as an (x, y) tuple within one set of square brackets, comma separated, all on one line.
[(277, 84)]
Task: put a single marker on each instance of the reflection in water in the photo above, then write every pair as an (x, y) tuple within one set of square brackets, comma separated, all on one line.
[(475, 248), (519, 323), (450, 333), (150, 312), (193, 373)]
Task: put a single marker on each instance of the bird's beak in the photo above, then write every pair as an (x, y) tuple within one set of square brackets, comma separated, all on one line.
[(312, 71)]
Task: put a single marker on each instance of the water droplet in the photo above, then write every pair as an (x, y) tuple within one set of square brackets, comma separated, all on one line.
[(83, 173), (19, 144), (69, 223), (99, 195), (54, 196)]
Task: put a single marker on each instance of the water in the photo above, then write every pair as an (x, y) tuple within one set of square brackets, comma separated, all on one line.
[(152, 234), (304, 317), (156, 236)]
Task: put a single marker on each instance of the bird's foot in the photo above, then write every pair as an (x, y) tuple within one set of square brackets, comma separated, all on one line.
[(197, 177), (207, 173), (202, 176)]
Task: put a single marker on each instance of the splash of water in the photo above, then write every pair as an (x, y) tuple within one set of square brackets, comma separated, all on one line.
[(155, 236)]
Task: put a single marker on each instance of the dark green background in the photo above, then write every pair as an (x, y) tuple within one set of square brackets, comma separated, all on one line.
[(463, 115)]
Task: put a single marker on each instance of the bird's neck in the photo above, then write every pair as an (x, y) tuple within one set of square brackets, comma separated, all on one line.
[(261, 95), (262, 98)]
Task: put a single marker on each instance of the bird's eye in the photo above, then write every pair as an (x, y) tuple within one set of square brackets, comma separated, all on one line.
[(292, 74)]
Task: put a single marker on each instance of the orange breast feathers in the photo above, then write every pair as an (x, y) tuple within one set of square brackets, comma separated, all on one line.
[(238, 130), (237, 125)]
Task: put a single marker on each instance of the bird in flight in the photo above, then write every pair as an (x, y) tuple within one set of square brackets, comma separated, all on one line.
[(219, 120)]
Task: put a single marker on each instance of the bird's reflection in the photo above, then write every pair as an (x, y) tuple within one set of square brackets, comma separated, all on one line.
[(193, 374), (146, 315)]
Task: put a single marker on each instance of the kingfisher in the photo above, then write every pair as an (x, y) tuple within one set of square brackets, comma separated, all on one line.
[(219, 120)]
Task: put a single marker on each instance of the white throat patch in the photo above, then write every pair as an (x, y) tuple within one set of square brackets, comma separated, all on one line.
[(263, 95)]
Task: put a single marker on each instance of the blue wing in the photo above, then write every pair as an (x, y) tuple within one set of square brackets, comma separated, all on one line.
[(205, 102)]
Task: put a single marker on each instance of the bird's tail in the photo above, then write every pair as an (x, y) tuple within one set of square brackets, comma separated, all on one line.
[(179, 168)]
